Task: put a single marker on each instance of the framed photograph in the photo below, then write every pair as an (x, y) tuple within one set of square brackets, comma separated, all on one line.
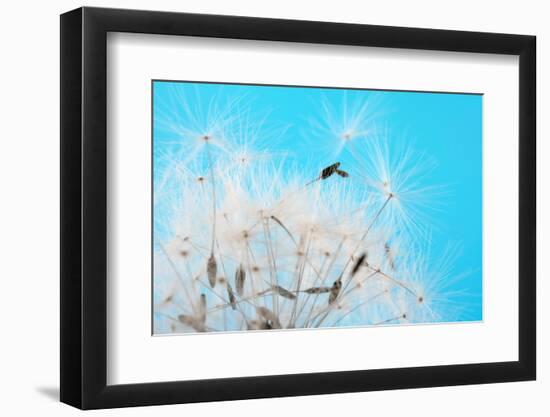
[(257, 208)]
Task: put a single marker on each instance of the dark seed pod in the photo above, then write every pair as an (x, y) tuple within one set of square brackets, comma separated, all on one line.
[(317, 290), (358, 263), (231, 296), (335, 290), (283, 292), (328, 171), (212, 270), (240, 276)]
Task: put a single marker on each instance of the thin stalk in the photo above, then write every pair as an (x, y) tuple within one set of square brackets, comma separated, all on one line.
[(211, 169), (393, 280), (402, 316), (293, 316), (272, 266)]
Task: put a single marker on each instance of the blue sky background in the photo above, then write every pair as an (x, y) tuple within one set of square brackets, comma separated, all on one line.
[(447, 127)]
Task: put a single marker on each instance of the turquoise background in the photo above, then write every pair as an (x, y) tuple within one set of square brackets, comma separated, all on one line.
[(447, 127)]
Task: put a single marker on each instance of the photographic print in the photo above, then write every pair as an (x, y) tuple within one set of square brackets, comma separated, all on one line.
[(303, 207)]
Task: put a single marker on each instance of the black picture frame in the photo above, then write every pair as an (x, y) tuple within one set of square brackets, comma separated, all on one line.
[(84, 207)]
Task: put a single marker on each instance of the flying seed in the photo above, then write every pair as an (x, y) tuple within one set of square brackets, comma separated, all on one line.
[(328, 171)]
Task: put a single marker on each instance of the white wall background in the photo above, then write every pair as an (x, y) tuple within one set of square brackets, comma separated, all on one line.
[(29, 226)]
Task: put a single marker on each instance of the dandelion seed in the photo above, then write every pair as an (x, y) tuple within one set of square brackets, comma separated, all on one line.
[(339, 125), (231, 296), (317, 290), (283, 292), (358, 263), (212, 270), (328, 171), (240, 276), (335, 290)]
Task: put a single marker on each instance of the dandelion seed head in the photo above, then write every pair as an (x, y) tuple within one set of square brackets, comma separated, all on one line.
[(283, 240)]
